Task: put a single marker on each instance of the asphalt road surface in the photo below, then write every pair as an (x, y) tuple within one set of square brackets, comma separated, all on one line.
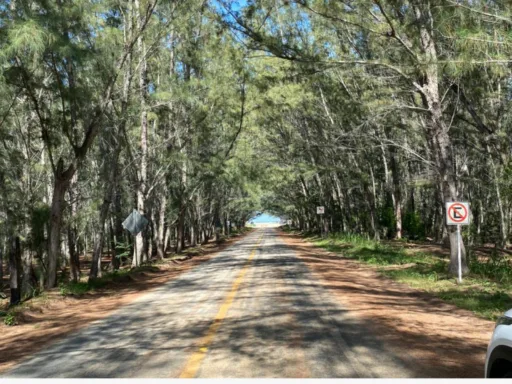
[(253, 310)]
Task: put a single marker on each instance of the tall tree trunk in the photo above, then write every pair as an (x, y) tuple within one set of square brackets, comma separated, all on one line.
[(74, 261), (1, 263), (160, 240), (99, 239), (141, 190), (118, 230), (15, 270), (499, 200), (193, 233), (180, 231), (110, 167), (437, 131), (396, 192), (27, 284), (167, 238), (60, 186)]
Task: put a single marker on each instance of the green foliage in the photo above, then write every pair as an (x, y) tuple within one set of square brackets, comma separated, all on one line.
[(486, 291), (413, 226), (388, 221), (27, 38), (369, 251), (10, 319), (496, 267), (74, 288)]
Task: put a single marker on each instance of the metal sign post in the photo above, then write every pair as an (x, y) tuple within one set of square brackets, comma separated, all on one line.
[(459, 257), (457, 213)]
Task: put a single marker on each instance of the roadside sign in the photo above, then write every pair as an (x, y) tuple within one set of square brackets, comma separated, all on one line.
[(320, 210), (289, 222), (457, 213), (135, 223)]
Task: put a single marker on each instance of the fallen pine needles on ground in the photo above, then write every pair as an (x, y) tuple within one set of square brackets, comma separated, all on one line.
[(486, 290)]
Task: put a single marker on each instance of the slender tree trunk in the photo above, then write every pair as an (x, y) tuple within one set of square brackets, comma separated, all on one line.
[(160, 238), (396, 192), (141, 190), (180, 231), (74, 261), (499, 200), (167, 239), (27, 283), (193, 236), (61, 184), (437, 131), (1, 263), (99, 240), (15, 270), (373, 209), (118, 230), (110, 168)]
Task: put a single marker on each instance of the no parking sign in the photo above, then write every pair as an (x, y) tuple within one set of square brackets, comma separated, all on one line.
[(457, 213)]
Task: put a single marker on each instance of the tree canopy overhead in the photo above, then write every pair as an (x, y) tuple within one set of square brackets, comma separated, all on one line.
[(199, 113)]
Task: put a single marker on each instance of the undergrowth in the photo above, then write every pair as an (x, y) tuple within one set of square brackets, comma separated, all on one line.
[(485, 290)]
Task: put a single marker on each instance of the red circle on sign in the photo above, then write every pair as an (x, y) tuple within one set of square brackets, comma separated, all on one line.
[(452, 209)]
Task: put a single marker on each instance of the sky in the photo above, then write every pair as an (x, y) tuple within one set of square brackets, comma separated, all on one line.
[(265, 218)]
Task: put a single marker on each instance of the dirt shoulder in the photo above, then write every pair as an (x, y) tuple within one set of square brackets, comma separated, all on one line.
[(445, 340), (49, 318)]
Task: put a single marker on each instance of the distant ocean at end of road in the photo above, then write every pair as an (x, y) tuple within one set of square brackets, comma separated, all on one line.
[(265, 218)]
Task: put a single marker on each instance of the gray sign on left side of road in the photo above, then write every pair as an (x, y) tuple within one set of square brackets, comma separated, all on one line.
[(135, 223)]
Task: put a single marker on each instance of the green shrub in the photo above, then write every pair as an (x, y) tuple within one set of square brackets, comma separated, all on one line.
[(10, 319), (496, 267), (387, 220), (413, 226)]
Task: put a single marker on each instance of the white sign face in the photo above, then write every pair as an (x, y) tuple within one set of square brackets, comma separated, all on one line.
[(289, 222), (228, 222), (457, 213), (320, 210)]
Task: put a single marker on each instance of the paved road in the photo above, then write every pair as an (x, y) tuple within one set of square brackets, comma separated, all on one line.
[(252, 311)]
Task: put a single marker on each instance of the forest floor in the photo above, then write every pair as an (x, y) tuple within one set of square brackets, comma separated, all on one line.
[(486, 290), (64, 310)]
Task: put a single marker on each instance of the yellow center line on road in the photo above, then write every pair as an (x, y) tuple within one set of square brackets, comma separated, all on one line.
[(194, 362)]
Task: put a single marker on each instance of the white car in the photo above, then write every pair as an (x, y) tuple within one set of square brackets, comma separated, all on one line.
[(498, 363)]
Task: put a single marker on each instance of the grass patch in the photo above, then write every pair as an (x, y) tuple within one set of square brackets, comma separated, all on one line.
[(486, 291), (369, 251), (80, 288)]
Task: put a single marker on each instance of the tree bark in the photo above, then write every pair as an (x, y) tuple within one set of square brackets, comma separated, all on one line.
[(180, 231), (499, 200), (141, 190), (396, 192), (118, 230), (27, 281), (15, 270), (437, 131), (1, 264), (160, 237), (60, 186), (74, 261)]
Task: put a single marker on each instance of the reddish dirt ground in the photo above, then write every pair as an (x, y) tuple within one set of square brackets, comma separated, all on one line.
[(444, 340), (47, 321)]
